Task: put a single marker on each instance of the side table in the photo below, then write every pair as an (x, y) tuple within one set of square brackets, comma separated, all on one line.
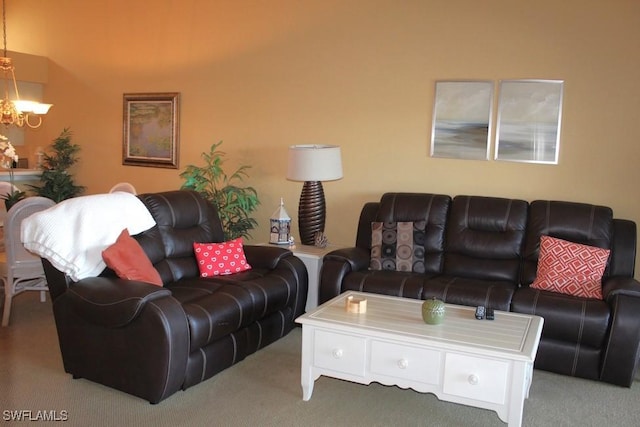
[(312, 257)]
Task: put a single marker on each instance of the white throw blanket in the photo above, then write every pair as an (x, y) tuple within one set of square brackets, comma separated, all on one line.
[(73, 233)]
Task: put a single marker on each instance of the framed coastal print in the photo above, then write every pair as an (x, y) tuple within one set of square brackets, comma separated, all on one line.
[(461, 125), (151, 129), (529, 116)]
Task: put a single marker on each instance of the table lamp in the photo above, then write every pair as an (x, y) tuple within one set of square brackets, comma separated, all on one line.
[(313, 164)]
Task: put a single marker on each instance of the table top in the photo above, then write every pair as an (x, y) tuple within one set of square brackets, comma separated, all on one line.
[(512, 334), (306, 249)]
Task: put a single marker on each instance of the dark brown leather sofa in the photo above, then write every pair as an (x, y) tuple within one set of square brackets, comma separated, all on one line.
[(152, 341), (484, 251)]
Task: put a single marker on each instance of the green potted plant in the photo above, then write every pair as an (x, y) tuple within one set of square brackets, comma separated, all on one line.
[(8, 158), (57, 183), (235, 202)]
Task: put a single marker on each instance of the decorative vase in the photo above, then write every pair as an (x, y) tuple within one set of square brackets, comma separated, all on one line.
[(433, 311)]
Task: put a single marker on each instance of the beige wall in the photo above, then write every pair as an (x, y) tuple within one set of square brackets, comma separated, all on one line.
[(262, 75)]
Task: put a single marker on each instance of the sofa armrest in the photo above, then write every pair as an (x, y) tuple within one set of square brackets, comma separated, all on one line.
[(620, 286), (620, 358), (108, 327), (336, 265), (621, 354), (111, 302), (358, 258), (259, 256)]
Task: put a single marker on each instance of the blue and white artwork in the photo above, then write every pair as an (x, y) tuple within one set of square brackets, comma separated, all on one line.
[(529, 114), (462, 119)]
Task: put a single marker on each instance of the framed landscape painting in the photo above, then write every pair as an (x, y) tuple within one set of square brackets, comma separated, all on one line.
[(151, 129), (461, 125), (529, 116)]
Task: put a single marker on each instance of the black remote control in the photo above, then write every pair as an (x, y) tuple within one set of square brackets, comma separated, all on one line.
[(480, 312), (489, 314)]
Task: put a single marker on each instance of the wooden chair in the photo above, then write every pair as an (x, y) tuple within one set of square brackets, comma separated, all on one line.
[(21, 270)]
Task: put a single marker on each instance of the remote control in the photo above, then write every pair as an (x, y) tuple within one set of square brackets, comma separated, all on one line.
[(489, 314), (480, 312)]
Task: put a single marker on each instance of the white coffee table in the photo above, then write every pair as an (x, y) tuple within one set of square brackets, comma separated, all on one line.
[(482, 363)]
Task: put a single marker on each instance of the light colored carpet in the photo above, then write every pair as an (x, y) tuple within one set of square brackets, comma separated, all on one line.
[(264, 390)]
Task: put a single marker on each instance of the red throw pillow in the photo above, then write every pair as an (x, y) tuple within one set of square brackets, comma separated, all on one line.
[(570, 268), (216, 259), (127, 258)]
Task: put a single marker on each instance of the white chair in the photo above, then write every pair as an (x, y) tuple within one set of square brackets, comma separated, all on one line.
[(20, 269), (5, 188), (123, 186)]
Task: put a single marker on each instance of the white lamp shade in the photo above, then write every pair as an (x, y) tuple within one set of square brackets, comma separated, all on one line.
[(42, 108), (24, 106), (31, 107), (314, 163)]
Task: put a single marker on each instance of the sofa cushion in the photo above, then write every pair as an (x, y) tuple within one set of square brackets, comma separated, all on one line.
[(459, 290), (127, 259), (570, 268), (496, 294), (398, 246), (567, 319), (219, 305), (395, 283), (223, 258)]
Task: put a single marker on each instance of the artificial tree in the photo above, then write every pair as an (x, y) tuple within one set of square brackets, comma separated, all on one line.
[(56, 183)]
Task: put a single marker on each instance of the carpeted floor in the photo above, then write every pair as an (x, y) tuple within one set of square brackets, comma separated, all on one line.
[(264, 390)]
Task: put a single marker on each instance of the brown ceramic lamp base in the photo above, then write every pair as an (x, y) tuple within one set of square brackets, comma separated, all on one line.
[(311, 211)]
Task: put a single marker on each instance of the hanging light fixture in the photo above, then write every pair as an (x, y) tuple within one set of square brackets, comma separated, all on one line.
[(16, 112)]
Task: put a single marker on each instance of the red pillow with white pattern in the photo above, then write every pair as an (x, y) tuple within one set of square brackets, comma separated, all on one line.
[(570, 268), (216, 259)]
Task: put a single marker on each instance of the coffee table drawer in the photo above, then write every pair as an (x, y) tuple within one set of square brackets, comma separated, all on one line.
[(476, 378), (340, 352), (406, 362)]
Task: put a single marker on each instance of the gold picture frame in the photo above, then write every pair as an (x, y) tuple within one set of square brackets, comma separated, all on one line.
[(151, 129)]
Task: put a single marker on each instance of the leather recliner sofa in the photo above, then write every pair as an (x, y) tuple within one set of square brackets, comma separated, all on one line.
[(152, 341), (484, 251)]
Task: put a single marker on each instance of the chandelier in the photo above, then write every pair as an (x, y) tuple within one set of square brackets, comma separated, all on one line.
[(16, 112)]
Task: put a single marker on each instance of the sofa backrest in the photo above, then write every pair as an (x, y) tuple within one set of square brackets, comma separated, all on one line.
[(182, 218), (498, 238), (485, 238), (576, 222), (410, 207)]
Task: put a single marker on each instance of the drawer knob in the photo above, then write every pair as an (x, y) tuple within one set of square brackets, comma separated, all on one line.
[(403, 363), (473, 379), (337, 353)]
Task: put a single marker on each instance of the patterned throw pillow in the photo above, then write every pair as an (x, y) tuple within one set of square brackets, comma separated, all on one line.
[(398, 246), (215, 259), (570, 268)]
